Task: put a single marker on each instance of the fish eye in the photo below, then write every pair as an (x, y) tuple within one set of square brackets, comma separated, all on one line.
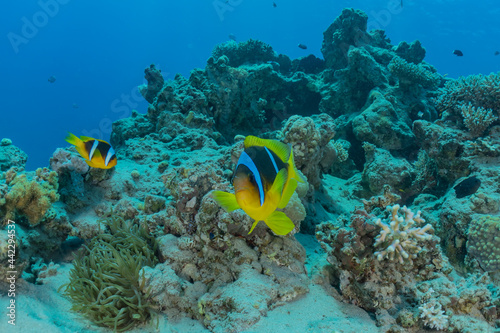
[(251, 177)]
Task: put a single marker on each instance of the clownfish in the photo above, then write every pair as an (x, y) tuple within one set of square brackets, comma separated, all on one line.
[(97, 153), (264, 180)]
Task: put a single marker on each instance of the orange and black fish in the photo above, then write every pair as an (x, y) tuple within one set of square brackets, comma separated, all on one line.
[(264, 180), (97, 153)]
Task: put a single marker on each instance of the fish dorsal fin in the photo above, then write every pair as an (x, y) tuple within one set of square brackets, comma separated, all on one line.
[(86, 138), (282, 150)]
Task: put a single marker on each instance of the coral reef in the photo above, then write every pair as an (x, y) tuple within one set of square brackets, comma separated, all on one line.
[(476, 119), (374, 129), (479, 90), (433, 315), (11, 156), (484, 240), (31, 198), (409, 73)]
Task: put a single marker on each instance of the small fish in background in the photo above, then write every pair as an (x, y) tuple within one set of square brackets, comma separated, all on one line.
[(302, 46), (401, 3), (497, 53), (52, 79), (275, 5), (467, 187), (264, 180), (232, 37), (75, 106), (458, 53), (97, 153)]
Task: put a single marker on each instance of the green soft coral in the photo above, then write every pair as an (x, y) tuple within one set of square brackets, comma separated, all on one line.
[(31, 198), (105, 283)]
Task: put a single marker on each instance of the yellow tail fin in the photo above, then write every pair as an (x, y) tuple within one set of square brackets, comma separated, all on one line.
[(79, 145), (73, 139)]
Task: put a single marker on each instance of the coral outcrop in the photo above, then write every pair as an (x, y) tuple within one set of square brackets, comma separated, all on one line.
[(11, 156)]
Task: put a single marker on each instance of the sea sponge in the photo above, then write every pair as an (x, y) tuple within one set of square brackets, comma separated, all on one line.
[(105, 281), (32, 197)]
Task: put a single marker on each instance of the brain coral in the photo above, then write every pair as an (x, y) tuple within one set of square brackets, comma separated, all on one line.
[(484, 241)]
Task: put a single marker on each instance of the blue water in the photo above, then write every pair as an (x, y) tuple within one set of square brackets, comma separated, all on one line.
[(97, 50)]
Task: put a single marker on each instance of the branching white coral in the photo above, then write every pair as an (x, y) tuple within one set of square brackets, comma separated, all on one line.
[(399, 238), (433, 315)]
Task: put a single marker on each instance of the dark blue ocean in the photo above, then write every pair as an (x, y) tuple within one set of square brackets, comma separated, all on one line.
[(97, 51)]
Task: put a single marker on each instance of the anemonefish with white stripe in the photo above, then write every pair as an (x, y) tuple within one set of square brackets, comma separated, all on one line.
[(264, 180), (97, 153)]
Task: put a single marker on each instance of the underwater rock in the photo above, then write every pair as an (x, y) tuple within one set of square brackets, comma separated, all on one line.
[(5, 142), (309, 64), (154, 85), (136, 126), (381, 169), (381, 125), (11, 156), (349, 28), (412, 52), (249, 52), (445, 146)]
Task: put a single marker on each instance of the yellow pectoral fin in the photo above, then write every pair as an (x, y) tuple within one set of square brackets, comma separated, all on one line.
[(279, 223), (287, 193), (226, 200)]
